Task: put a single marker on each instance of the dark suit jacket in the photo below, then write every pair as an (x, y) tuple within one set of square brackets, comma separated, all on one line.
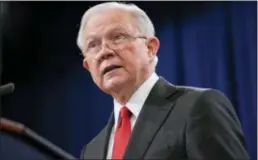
[(179, 123)]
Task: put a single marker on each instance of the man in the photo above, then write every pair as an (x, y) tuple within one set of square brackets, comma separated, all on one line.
[(152, 118)]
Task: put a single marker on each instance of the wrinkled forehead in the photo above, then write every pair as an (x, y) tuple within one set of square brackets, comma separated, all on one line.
[(105, 22)]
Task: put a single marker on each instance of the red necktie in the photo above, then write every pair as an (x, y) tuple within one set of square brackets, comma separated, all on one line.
[(122, 133)]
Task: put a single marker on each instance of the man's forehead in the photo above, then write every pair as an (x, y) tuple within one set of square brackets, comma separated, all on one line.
[(109, 20)]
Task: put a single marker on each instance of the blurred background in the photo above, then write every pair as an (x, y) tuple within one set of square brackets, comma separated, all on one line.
[(203, 44)]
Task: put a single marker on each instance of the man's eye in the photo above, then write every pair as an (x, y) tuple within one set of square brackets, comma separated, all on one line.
[(119, 37), (92, 45)]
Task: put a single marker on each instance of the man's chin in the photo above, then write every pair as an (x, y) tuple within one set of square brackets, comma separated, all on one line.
[(114, 83)]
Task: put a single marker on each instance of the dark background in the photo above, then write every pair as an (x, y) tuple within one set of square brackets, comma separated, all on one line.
[(203, 44)]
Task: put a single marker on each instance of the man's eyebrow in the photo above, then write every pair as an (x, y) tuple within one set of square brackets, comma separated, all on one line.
[(119, 29), (113, 30), (90, 38)]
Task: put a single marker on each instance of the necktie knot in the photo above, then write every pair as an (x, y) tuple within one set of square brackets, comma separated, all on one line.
[(125, 112)]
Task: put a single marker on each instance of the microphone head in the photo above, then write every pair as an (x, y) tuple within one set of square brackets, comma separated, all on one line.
[(6, 89)]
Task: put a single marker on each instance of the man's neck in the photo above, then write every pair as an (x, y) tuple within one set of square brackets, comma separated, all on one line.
[(124, 94)]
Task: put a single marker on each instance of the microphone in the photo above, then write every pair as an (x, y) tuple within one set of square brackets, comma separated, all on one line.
[(6, 89), (22, 130)]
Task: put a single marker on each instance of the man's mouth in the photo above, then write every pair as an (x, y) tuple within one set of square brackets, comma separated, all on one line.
[(110, 68)]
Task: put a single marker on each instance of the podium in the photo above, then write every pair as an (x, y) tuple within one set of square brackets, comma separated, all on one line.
[(20, 142)]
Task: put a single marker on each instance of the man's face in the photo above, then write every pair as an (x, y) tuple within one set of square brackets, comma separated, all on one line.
[(116, 65)]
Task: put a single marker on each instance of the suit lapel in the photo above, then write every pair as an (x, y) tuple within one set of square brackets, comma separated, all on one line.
[(154, 112)]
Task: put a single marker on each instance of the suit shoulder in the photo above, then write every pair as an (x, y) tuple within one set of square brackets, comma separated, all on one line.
[(98, 137), (183, 89), (205, 99), (89, 148), (191, 96), (192, 89), (95, 145), (203, 92), (83, 150)]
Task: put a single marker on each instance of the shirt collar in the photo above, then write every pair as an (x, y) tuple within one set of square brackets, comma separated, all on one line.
[(137, 100)]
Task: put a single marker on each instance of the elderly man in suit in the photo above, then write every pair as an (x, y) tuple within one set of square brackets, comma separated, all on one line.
[(152, 119)]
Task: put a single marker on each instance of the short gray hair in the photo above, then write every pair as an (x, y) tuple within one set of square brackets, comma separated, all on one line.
[(145, 25)]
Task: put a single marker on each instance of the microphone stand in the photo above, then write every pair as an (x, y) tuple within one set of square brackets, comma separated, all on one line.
[(21, 130)]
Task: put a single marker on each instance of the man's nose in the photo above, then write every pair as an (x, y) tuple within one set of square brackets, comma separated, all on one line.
[(105, 52)]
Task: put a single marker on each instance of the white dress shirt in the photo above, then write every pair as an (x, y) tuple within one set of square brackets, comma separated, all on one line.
[(134, 104)]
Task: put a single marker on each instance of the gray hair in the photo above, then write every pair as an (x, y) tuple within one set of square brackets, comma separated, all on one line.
[(144, 24)]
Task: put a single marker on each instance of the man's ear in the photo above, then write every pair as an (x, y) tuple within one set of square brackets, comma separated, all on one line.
[(153, 46), (85, 64)]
